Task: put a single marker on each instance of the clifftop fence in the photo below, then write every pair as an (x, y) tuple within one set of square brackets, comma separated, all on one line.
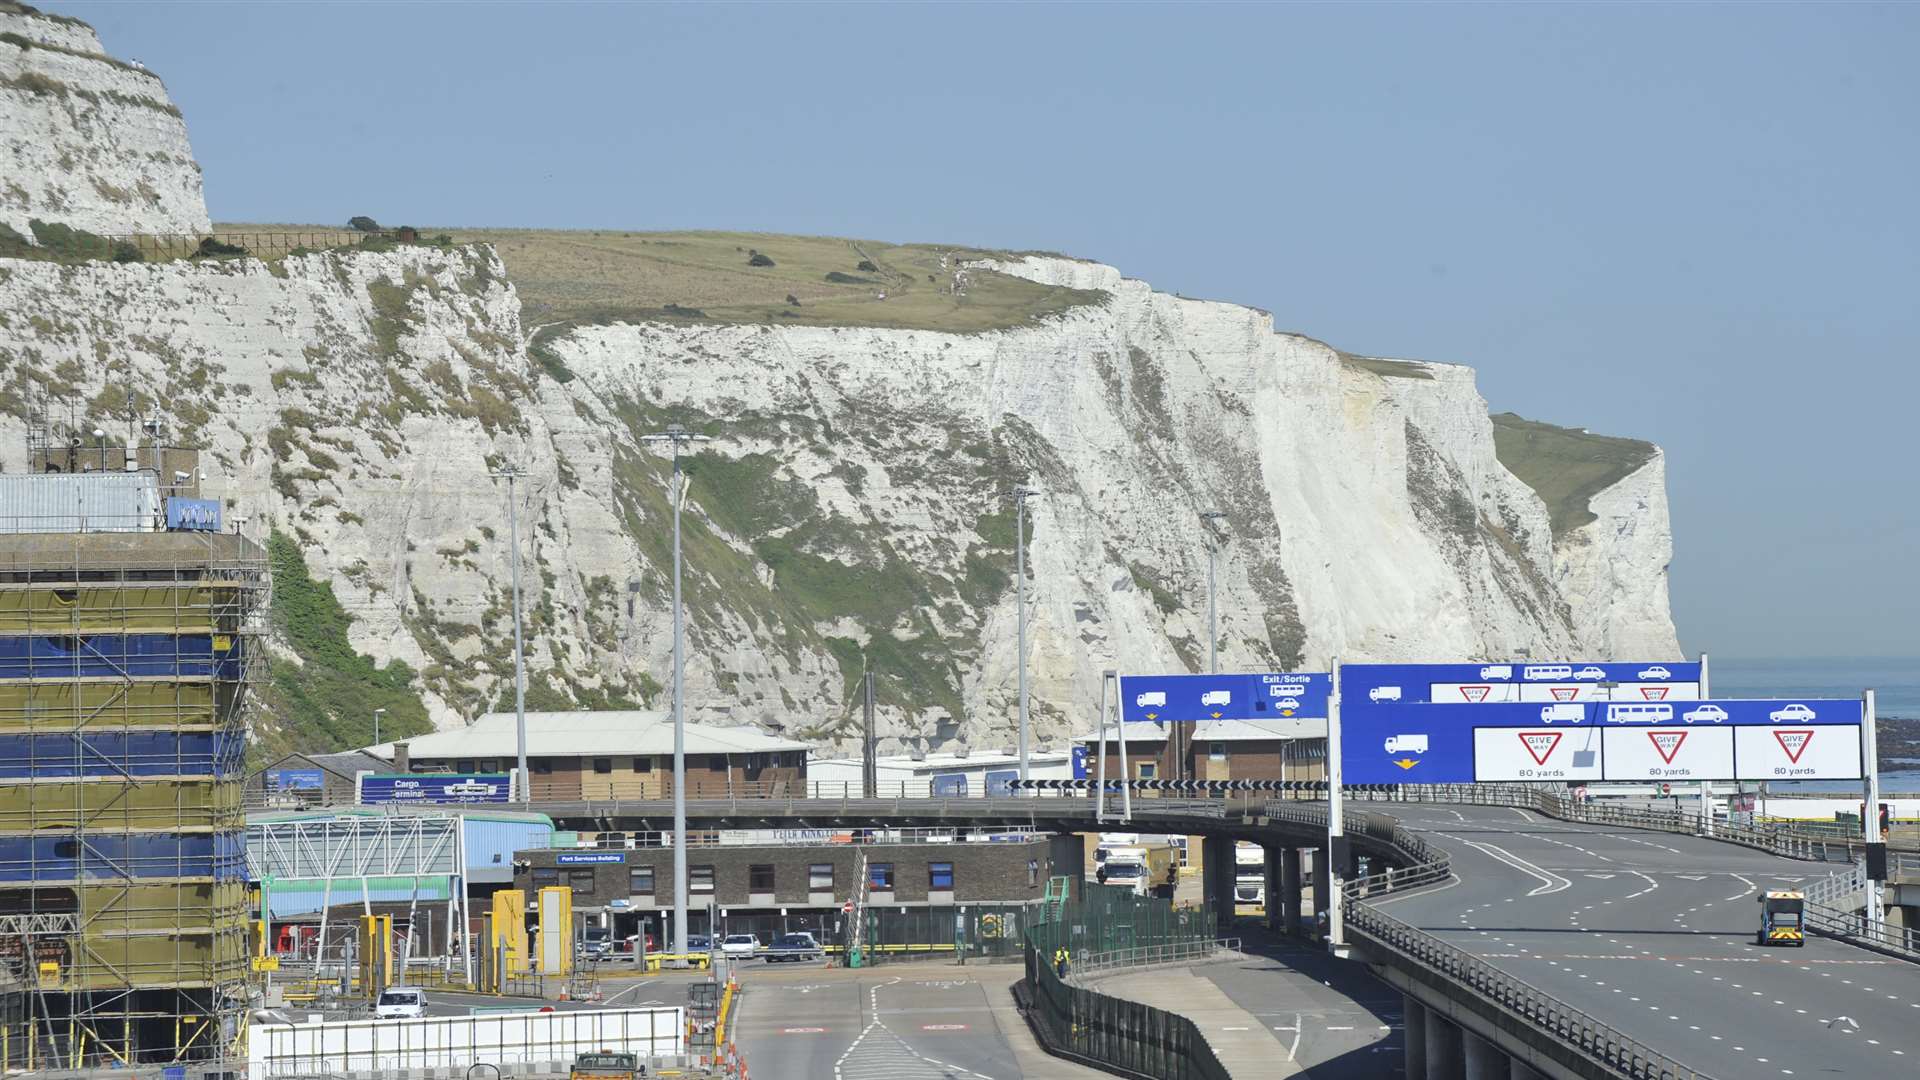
[(61, 244)]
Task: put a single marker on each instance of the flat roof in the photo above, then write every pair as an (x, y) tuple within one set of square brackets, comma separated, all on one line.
[(970, 760), (618, 732)]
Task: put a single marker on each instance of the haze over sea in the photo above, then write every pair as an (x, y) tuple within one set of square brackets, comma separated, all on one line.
[(1894, 680)]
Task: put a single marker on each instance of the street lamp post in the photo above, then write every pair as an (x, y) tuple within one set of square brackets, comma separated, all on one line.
[(377, 714), (1207, 518), (510, 475), (678, 437), (1020, 496)]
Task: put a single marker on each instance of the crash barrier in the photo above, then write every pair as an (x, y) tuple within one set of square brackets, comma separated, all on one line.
[(1836, 906), (515, 1039), (1125, 1038), (1156, 955)]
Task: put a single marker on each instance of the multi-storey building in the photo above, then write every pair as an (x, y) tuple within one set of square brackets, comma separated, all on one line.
[(127, 651)]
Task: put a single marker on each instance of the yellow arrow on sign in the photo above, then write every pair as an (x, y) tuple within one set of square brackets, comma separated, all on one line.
[(1152, 716), (1286, 712), (1407, 763), (1216, 716)]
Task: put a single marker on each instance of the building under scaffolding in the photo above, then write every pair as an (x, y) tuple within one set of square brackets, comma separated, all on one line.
[(128, 646)]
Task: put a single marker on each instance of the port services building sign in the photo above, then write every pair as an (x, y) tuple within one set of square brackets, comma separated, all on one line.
[(1621, 740)]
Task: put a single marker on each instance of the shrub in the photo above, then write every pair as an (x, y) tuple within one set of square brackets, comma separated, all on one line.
[(838, 278), (125, 251), (211, 248), (363, 223), (867, 266), (757, 259), (792, 300)]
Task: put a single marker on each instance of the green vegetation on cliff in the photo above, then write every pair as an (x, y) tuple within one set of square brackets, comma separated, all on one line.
[(1566, 467), (322, 698)]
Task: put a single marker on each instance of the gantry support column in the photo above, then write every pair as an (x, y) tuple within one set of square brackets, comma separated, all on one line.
[(1290, 889)]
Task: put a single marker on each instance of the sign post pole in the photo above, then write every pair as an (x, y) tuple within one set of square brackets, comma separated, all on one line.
[(1336, 827), (1706, 786), (1870, 813), (1120, 729), (1100, 774)]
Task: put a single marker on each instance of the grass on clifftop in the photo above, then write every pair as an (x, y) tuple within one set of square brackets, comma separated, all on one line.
[(588, 276), (1566, 467)]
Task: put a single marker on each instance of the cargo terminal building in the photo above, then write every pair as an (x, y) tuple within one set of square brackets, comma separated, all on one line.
[(769, 882)]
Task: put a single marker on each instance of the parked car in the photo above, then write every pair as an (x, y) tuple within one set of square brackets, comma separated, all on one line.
[(740, 944), (627, 943), (698, 943), (400, 1003), (596, 943), (794, 947)]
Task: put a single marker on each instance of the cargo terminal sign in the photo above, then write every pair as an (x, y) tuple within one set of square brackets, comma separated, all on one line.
[(1189, 698), (1720, 739)]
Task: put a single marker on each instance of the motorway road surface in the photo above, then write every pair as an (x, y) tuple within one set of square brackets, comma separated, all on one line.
[(1653, 934), (1336, 1021)]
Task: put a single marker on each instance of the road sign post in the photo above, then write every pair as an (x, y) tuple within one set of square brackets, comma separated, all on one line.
[(1336, 828), (1100, 769), (1870, 813), (1706, 786)]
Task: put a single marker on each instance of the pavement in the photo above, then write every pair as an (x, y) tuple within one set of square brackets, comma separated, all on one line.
[(907, 1021), (1653, 934), (1240, 1040)]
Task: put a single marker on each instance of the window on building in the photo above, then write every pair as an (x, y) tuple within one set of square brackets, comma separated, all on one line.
[(580, 881), (640, 880), (717, 763), (700, 879), (464, 765), (490, 765), (643, 764), (1217, 751), (1033, 872), (540, 767), (880, 876), (602, 765), (1146, 770), (820, 877), (940, 876), (760, 878), (544, 876)]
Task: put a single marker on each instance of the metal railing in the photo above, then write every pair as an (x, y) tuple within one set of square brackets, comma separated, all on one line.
[(1160, 953)]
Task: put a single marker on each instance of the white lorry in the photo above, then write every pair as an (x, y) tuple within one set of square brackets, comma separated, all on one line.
[(1406, 744), (1497, 671), (1384, 693), (1572, 712)]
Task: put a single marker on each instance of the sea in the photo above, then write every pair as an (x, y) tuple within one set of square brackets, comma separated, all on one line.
[(1895, 682)]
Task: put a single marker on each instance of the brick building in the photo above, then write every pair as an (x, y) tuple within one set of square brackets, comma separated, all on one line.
[(770, 887), (623, 754), (1218, 750)]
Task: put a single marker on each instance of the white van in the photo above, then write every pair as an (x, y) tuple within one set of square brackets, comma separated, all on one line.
[(1156, 697), (1406, 744), (1497, 671), (1217, 697), (400, 1003), (1549, 671), (1573, 713), (1384, 693)]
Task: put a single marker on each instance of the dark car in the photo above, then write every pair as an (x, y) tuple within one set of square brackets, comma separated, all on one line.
[(793, 947)]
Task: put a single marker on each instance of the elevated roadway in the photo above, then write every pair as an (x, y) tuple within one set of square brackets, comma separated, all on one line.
[(1649, 932), (1653, 934)]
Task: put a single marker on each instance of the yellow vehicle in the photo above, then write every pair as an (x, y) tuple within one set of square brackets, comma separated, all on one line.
[(605, 1065), (1782, 914)]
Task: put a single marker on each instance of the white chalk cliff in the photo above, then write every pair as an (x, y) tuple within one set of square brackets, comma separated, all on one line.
[(851, 507)]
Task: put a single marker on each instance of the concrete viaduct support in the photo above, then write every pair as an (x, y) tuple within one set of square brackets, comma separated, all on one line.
[(1290, 890), (1438, 1049), (1217, 883)]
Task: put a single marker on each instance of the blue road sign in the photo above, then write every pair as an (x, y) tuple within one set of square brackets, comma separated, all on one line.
[(296, 779), (1079, 761), (1427, 743), (1371, 683), (436, 788), (1190, 698)]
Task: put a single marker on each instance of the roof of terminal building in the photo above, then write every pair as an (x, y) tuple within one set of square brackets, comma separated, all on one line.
[(586, 734), (971, 760), (1223, 731)]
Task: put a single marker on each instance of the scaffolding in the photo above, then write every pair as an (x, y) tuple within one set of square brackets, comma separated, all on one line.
[(127, 664)]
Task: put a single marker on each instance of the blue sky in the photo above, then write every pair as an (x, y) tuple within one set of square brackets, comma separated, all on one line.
[(1691, 224)]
